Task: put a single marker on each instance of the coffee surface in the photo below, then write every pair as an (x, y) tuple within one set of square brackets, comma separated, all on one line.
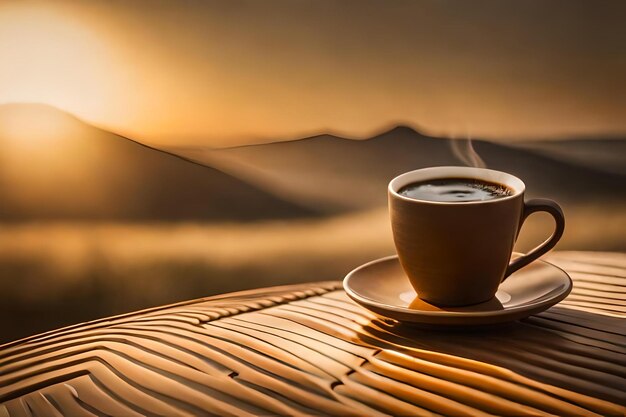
[(455, 190)]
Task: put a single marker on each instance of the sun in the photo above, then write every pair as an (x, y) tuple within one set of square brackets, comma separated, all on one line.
[(51, 57)]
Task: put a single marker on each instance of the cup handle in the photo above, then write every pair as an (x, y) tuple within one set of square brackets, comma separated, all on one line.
[(530, 207)]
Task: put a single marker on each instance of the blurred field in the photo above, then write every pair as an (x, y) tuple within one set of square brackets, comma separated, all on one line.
[(55, 274)]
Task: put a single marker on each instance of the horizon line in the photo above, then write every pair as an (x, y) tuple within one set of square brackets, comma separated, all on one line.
[(385, 129)]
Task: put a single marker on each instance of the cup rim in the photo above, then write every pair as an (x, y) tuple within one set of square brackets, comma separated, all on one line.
[(436, 172)]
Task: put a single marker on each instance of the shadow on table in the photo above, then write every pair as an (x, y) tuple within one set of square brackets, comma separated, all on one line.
[(580, 351)]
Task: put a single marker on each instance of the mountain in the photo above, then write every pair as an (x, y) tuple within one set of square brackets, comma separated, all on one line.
[(332, 173), (53, 167), (607, 155)]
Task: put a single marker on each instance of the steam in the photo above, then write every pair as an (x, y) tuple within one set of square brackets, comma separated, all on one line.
[(464, 150)]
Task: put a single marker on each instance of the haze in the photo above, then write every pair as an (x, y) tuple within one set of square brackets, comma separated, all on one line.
[(229, 73)]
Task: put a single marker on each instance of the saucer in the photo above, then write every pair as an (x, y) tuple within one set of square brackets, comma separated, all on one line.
[(382, 287)]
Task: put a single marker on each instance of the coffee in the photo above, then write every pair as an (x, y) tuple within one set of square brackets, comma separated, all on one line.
[(455, 190), (454, 229)]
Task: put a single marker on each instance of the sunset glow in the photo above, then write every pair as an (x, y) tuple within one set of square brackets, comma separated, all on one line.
[(184, 184), (51, 58), (217, 74)]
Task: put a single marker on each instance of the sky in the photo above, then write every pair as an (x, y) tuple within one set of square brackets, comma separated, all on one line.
[(224, 73)]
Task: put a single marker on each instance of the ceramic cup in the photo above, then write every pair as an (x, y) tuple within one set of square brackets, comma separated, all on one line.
[(458, 253)]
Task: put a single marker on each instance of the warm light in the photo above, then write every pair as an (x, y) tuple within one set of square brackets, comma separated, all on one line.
[(177, 73), (33, 126), (50, 57)]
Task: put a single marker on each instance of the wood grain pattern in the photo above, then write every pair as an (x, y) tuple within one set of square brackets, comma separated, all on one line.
[(309, 350)]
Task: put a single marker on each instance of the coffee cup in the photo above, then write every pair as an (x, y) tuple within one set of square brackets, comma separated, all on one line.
[(454, 239)]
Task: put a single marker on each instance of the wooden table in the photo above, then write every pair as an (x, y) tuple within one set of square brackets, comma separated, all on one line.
[(308, 349)]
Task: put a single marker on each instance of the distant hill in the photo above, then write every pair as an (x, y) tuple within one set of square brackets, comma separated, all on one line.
[(608, 155), (54, 167), (332, 173)]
